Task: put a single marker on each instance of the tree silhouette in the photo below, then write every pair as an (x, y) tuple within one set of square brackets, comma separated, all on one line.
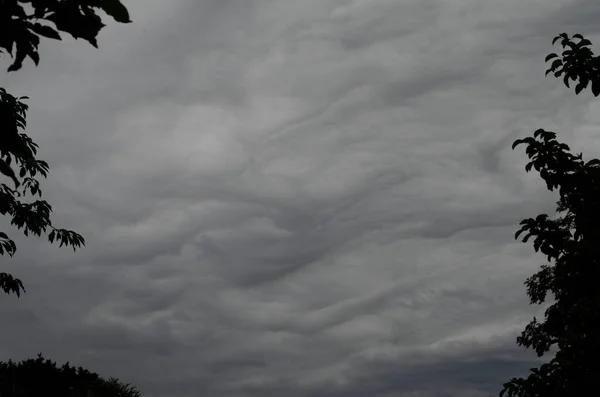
[(571, 243), (42, 377), (22, 23)]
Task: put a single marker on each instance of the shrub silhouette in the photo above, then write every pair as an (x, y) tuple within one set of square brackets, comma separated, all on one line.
[(42, 377)]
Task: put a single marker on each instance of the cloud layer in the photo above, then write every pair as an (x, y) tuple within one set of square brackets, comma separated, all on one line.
[(303, 198)]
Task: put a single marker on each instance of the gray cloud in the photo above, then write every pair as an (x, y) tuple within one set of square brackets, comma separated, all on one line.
[(311, 197)]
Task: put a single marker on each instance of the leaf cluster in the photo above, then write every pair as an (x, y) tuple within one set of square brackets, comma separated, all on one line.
[(22, 22), (576, 63)]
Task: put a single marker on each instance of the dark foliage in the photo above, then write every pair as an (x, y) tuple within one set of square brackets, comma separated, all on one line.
[(42, 377), (22, 23), (570, 242), (31, 216)]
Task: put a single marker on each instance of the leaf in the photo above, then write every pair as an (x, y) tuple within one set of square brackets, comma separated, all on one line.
[(117, 10), (550, 56), (556, 63), (517, 143), (578, 88), (596, 87), (528, 167), (578, 36), (528, 140), (593, 162), (45, 31), (17, 64), (35, 56)]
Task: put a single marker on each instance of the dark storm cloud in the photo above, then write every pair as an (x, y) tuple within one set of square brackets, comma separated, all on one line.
[(303, 198)]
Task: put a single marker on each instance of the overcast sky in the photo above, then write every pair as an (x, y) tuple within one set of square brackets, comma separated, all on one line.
[(295, 197)]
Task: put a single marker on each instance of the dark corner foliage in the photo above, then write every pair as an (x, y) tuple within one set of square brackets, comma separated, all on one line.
[(571, 243), (22, 23)]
